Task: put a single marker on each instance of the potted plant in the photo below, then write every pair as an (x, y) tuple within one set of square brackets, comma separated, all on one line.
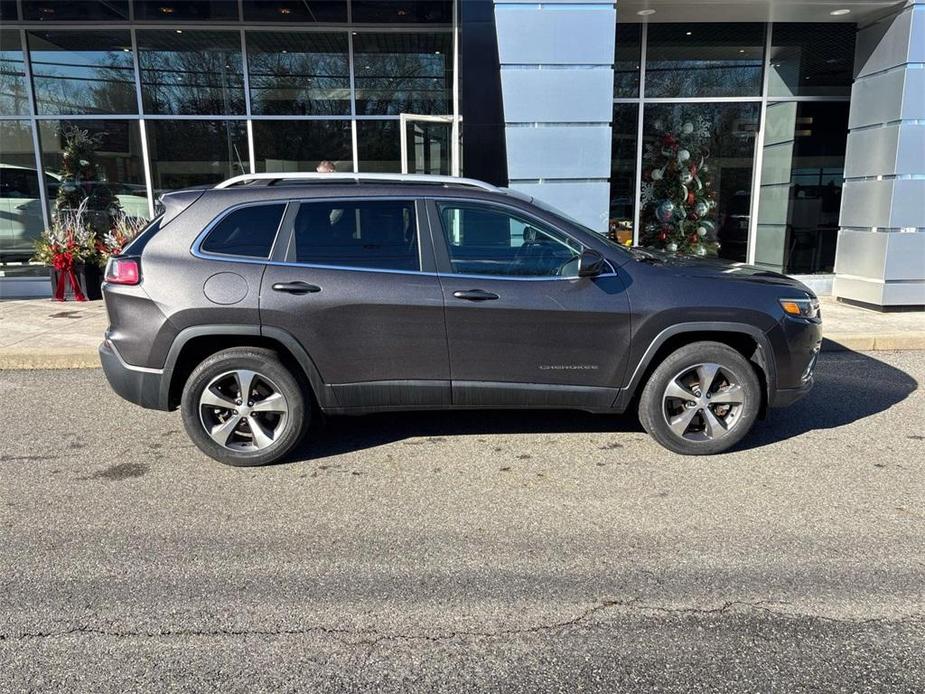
[(69, 249), (87, 222), (124, 230)]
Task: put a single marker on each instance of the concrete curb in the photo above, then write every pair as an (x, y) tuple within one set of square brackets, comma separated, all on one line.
[(64, 359), (89, 359), (884, 342)]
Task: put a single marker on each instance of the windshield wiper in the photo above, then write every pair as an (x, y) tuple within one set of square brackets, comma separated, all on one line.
[(643, 256)]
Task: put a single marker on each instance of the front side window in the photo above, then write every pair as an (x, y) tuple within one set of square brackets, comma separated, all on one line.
[(248, 231), (369, 234), (486, 241)]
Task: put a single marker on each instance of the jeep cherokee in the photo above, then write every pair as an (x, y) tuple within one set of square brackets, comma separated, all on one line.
[(257, 303)]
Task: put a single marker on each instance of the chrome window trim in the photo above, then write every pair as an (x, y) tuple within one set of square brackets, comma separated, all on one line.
[(197, 252)]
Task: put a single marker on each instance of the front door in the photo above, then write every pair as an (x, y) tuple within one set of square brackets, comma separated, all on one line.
[(522, 328), (353, 292), (427, 145)]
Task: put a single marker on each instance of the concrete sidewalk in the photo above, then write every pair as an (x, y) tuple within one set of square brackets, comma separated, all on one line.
[(42, 334)]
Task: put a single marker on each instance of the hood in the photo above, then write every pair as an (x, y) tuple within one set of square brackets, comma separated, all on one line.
[(712, 268)]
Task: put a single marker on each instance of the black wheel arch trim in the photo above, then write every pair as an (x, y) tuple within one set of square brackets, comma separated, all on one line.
[(324, 394), (764, 355)]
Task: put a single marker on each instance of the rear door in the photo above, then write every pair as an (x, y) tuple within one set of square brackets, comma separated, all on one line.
[(522, 328), (356, 286)]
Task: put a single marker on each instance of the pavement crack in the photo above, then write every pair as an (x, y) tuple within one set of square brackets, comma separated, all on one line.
[(372, 637)]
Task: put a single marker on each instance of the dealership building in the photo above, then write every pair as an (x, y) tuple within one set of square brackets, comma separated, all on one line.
[(797, 127)]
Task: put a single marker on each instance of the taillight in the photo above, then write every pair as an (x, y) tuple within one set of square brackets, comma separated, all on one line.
[(123, 271)]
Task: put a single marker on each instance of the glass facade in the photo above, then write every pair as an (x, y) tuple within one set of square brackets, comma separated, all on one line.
[(740, 149), (178, 93), (741, 126)]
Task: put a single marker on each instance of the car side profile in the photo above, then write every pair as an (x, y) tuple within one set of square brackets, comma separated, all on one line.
[(254, 305)]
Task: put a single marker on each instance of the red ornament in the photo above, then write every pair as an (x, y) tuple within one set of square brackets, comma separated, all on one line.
[(690, 198), (663, 236)]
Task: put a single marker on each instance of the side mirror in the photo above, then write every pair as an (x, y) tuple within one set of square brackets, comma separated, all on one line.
[(590, 264)]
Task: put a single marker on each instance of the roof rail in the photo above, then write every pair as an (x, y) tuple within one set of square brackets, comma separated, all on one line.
[(359, 178)]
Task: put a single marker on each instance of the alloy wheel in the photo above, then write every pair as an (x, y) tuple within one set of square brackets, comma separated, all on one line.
[(703, 403), (243, 410)]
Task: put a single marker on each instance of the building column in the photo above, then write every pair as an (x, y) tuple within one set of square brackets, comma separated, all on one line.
[(557, 90), (880, 258)]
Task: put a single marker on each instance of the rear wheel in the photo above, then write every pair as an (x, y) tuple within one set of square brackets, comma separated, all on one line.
[(702, 399), (243, 407)]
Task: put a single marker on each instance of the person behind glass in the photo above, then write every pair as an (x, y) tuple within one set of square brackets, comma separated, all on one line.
[(326, 167)]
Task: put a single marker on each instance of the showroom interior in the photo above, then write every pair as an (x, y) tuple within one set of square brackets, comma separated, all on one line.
[(798, 123)]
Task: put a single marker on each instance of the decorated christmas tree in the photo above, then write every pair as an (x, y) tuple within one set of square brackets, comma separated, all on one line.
[(678, 200), (81, 187)]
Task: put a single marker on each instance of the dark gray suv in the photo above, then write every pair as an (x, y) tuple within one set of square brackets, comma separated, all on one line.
[(254, 304)]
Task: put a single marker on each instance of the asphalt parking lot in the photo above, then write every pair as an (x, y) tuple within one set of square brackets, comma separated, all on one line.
[(466, 551)]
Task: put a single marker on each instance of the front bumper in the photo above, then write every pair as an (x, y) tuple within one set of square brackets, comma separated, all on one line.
[(796, 343), (138, 385), (784, 397)]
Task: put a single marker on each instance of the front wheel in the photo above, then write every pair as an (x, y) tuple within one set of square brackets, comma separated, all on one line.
[(243, 407), (702, 399)]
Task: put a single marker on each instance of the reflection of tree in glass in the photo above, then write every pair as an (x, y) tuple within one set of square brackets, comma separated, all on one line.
[(108, 87), (403, 73), (188, 153), (13, 95), (204, 78), (703, 77), (299, 83)]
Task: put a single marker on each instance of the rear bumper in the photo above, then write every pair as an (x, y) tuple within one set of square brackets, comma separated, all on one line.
[(136, 384)]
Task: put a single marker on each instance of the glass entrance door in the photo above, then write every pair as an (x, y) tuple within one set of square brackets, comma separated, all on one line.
[(427, 145)]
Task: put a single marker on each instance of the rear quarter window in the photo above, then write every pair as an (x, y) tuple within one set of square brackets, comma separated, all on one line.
[(248, 231)]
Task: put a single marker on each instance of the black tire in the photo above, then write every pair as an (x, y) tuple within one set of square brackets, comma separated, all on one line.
[(697, 439), (271, 376)]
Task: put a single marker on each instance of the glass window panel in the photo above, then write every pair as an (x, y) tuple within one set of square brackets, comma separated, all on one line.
[(379, 146), (186, 10), (380, 235), (120, 170), (295, 11), (249, 231), (21, 221), (403, 11), (623, 172), (486, 241), (187, 153), (697, 60), (801, 185), (811, 59), (403, 73), (75, 10), (8, 12), (429, 149), (299, 73), (302, 145), (697, 177), (627, 60), (83, 72), (191, 72), (14, 98)]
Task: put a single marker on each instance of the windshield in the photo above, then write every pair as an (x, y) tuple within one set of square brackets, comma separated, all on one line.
[(566, 216)]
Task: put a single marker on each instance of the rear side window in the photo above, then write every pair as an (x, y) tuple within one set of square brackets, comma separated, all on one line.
[(372, 234), (248, 231)]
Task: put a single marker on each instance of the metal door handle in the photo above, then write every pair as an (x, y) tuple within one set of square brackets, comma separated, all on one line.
[(476, 295), (296, 287)]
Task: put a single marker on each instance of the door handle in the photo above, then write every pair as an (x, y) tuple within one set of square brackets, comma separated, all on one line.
[(296, 287), (476, 295)]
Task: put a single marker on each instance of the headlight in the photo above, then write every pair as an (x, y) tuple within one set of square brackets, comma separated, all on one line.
[(801, 308)]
